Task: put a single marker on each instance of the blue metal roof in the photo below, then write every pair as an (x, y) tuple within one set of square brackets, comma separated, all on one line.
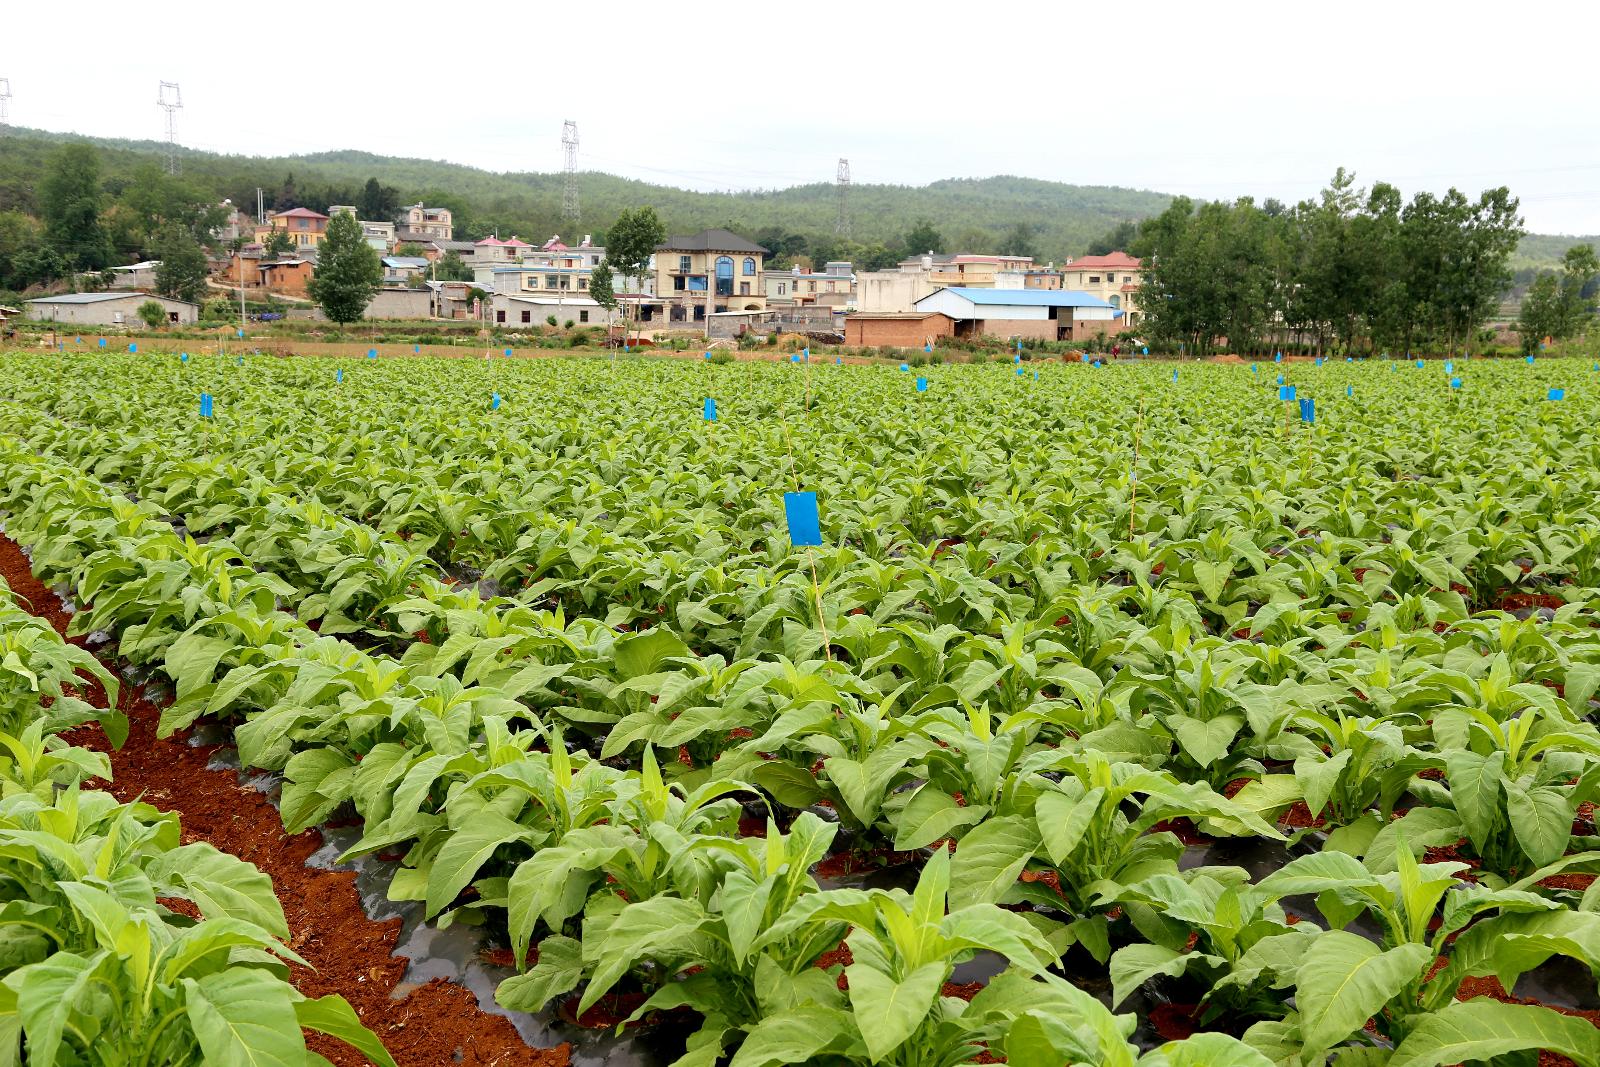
[(1053, 298)]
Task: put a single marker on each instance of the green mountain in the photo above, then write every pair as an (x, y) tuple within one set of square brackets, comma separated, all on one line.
[(972, 214)]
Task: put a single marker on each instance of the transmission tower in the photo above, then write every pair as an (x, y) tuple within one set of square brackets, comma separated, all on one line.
[(569, 197), (5, 103), (170, 99), (842, 225)]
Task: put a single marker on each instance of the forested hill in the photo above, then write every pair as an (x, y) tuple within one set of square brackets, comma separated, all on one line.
[(973, 214), (1051, 220)]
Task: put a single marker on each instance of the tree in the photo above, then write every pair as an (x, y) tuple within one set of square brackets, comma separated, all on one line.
[(600, 290), (923, 238), (1541, 312), (377, 202), (1579, 268), (411, 248), (20, 236), (1018, 241), (349, 271), (1118, 238), (279, 244), (632, 241), (153, 314), (70, 195), (450, 267), (182, 273)]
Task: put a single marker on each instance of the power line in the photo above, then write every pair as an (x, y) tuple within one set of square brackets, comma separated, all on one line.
[(569, 195), (842, 225), (169, 99)]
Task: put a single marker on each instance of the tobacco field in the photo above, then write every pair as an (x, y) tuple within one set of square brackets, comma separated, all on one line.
[(1122, 717)]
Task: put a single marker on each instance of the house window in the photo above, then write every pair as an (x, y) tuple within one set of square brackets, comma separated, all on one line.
[(583, 316), (749, 265), (1127, 278), (1116, 301), (530, 281), (499, 316), (783, 289), (1094, 279), (550, 282), (527, 316), (683, 265), (724, 275), (583, 283), (744, 288), (566, 282), (677, 282)]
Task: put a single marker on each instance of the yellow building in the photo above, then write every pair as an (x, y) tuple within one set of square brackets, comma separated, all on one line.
[(306, 228), (1114, 278), (713, 266)]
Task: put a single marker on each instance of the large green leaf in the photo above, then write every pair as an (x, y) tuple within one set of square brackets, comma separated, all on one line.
[(1346, 979), (989, 859), (558, 971), (888, 1011), (1481, 1029), (333, 1015), (245, 1016)]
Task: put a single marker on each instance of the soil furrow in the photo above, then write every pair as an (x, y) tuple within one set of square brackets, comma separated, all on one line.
[(434, 1025)]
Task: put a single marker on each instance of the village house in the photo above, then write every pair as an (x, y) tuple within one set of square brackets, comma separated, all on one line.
[(712, 266), (423, 224), (399, 270), (108, 309), (834, 287), (1114, 278), (1038, 314), (306, 228), (494, 250)]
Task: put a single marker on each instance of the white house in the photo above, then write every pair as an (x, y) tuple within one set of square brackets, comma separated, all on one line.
[(1042, 314), (108, 309)]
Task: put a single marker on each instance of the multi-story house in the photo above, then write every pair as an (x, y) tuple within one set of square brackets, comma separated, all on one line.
[(835, 286), (380, 236), (423, 224), (494, 250), (1114, 278), (712, 267), (306, 228)]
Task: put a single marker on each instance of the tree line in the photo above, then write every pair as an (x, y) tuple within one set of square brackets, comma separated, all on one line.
[(1355, 270)]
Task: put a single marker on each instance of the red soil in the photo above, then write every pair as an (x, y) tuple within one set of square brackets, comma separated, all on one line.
[(433, 1025)]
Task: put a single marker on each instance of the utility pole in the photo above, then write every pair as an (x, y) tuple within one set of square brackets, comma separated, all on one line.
[(5, 105), (261, 208), (569, 195), (170, 99), (842, 225)]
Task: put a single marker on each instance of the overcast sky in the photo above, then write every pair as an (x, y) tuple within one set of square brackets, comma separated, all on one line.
[(1215, 100)]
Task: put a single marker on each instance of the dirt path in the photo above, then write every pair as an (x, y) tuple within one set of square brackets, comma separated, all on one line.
[(436, 1025)]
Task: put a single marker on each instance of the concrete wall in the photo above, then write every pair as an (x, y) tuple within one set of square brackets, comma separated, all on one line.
[(400, 304), (891, 290), (121, 311), (897, 332)]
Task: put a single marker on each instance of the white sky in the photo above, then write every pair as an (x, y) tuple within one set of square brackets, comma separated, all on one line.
[(1211, 99)]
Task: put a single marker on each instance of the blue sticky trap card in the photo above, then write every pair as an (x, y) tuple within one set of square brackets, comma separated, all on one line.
[(133, 348), (1020, 372), (1449, 366), (79, 340), (1349, 359), (838, 361), (1455, 383), (1286, 392), (241, 361), (1035, 375), (184, 358), (1530, 357), (903, 366), (338, 376), (710, 410), (372, 353), (708, 355), (240, 332), (1174, 375), (494, 404), (1097, 363), (1349, 390), (1319, 361), (1278, 358), (805, 523), (922, 385), (796, 359), (102, 342), (1558, 394), (1145, 351), (927, 346), (1254, 369), (1308, 409), (508, 352), (806, 352), (1280, 379), (1019, 346)]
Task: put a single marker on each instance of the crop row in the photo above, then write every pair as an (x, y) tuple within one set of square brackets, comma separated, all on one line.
[(1051, 734), (100, 963)]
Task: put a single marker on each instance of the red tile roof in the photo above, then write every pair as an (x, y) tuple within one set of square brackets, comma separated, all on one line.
[(299, 213), (1112, 261)]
